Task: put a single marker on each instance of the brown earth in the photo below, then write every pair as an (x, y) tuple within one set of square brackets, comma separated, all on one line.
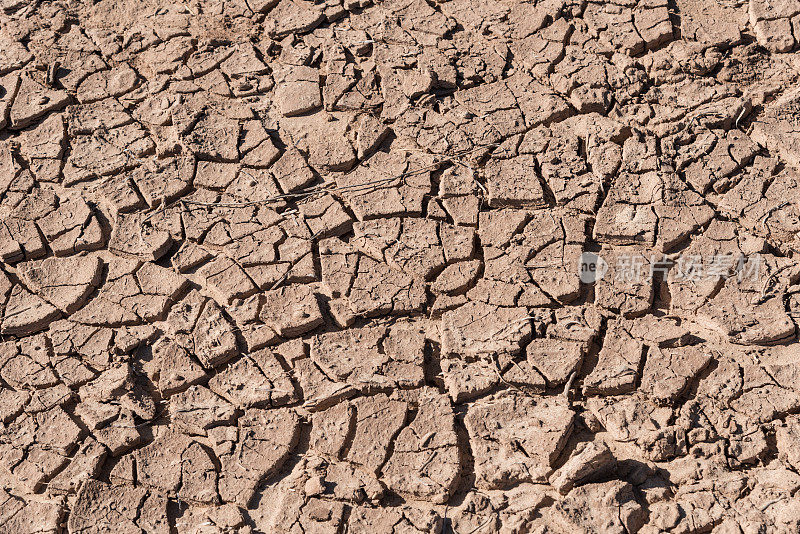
[(312, 266)]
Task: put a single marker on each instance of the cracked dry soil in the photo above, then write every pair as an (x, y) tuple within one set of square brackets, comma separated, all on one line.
[(311, 266)]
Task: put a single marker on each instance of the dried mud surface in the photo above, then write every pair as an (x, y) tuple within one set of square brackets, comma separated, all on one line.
[(310, 267)]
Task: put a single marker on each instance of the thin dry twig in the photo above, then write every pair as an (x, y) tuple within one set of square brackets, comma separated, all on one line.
[(569, 383), (771, 276), (322, 188)]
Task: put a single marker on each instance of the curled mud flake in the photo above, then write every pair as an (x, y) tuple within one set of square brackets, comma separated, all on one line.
[(325, 138), (110, 83), (298, 91), (425, 463), (189, 256), (15, 55), (626, 221), (478, 328), (667, 373), (64, 282), (330, 429), (36, 446), (290, 16), (378, 419), (297, 513), (13, 404), (256, 146), (326, 217), (174, 464), (776, 129), (164, 181), (225, 517), (618, 363), (215, 137), (213, 340), (253, 450), (509, 449), (93, 156), (101, 507), (170, 367), (291, 311), (788, 435), (466, 381), (592, 460), (627, 285), (46, 140), (696, 24), (370, 133), (555, 359), (133, 293), (456, 278), (20, 240), (226, 280), (31, 514), (26, 313), (291, 171), (773, 22), (372, 357), (256, 379), (319, 391), (616, 496), (79, 351), (33, 100), (377, 290), (213, 175), (385, 186), (514, 183), (84, 465), (198, 409), (27, 365)]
